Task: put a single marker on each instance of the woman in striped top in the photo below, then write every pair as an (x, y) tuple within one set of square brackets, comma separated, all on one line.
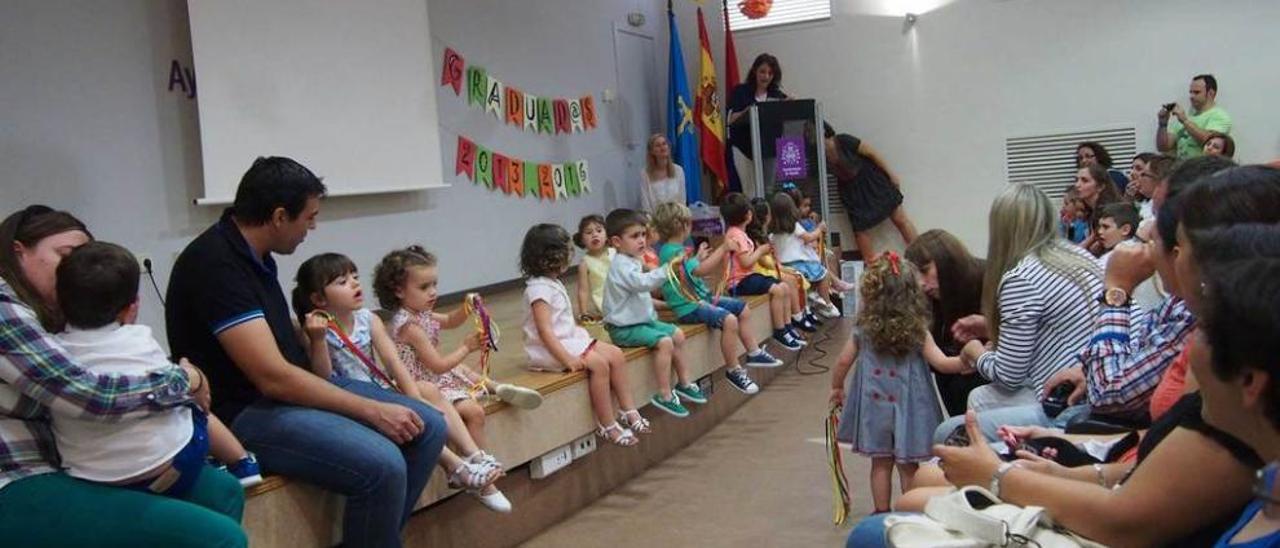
[(1039, 297)]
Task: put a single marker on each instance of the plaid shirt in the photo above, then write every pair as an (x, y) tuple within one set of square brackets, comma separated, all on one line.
[(1123, 364), (38, 379)]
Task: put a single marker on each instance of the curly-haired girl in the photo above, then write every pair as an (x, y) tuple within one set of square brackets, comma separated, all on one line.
[(891, 409)]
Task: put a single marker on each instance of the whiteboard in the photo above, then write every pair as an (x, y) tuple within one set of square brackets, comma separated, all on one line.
[(345, 88)]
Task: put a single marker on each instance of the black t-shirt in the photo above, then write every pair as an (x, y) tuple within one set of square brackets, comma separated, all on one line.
[(217, 283), (1186, 414)]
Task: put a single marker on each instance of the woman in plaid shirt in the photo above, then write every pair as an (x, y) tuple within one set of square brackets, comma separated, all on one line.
[(43, 506)]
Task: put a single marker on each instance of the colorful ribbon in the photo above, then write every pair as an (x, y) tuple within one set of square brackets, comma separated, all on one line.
[(840, 500), (489, 333), (351, 346)]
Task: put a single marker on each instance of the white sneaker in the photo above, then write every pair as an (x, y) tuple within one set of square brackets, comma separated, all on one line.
[(827, 310), (495, 501), (519, 396)]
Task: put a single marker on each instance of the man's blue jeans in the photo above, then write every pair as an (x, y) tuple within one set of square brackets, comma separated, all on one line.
[(1023, 415), (382, 481)]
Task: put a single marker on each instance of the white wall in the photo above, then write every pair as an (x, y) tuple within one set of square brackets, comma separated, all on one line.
[(939, 100), (89, 126)]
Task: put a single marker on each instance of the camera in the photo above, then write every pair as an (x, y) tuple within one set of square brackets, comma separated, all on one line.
[(1168, 107)]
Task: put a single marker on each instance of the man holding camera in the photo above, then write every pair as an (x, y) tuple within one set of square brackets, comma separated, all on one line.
[(1185, 135)]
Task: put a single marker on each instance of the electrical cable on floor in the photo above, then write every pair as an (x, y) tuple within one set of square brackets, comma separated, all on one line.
[(821, 353)]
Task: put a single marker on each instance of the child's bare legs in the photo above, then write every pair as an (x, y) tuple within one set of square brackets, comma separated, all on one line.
[(779, 305), (907, 474), (729, 335), (458, 434), (472, 414), (677, 357), (617, 374), (223, 445), (598, 376), (904, 224), (749, 342), (929, 475), (881, 482), (662, 365)]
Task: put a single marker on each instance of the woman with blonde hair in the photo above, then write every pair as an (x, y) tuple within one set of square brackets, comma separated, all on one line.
[(662, 180), (1038, 298)]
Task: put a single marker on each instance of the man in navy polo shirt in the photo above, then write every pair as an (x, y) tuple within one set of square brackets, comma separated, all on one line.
[(227, 312)]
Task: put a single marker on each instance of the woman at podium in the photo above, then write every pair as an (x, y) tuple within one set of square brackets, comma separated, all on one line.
[(764, 83)]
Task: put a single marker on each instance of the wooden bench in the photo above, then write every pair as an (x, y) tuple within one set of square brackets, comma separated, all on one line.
[(280, 512)]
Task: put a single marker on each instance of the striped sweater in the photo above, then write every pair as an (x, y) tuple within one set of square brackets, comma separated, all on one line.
[(1045, 321)]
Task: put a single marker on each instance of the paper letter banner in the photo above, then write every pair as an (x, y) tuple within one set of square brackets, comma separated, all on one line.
[(557, 180), (560, 108), (477, 86), (531, 112), (571, 179), (545, 123), (452, 75), (484, 166), (511, 175), (515, 107), (500, 166), (511, 105), (588, 112), (575, 116), (532, 186), (515, 177), (466, 158), (493, 98), (583, 180), (544, 181)]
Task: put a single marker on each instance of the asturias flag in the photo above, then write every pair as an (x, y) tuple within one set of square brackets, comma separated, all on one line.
[(710, 122), (684, 145)]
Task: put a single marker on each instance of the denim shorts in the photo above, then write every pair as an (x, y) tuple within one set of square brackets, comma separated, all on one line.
[(713, 315), (754, 284), (811, 270), (180, 476)]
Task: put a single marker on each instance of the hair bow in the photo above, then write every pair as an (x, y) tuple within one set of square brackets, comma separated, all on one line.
[(895, 262), (787, 186)]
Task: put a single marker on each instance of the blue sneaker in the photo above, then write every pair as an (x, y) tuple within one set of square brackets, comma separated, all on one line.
[(671, 406), (786, 339), (246, 470), (805, 325), (739, 379), (690, 393), (761, 358), (799, 339)]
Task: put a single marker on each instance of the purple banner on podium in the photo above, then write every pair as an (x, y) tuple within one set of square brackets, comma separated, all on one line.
[(792, 163)]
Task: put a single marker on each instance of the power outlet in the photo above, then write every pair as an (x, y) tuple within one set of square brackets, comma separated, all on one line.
[(551, 462), (582, 446)]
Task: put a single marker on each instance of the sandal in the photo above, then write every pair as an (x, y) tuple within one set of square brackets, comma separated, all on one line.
[(471, 476), (485, 459), (635, 421), (617, 435)]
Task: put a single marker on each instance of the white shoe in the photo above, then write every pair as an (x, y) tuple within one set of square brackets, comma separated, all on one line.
[(495, 501), (519, 396), (828, 310)]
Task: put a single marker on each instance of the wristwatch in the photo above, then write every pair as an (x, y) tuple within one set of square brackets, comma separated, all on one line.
[(1115, 296)]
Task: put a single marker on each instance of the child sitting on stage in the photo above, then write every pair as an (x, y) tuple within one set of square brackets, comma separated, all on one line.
[(692, 302), (743, 280), (631, 319), (161, 453), (347, 341), (593, 268), (554, 342), (791, 242)]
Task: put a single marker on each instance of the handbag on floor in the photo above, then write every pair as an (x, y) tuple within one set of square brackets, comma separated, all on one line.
[(971, 517)]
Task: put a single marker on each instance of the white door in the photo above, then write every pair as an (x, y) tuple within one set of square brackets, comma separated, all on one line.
[(637, 100)]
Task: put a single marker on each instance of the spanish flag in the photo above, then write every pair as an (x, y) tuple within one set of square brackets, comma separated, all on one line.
[(707, 111)]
